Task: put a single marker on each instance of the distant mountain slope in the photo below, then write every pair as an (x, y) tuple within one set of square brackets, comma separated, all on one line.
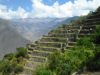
[(33, 29), (9, 38), (18, 32)]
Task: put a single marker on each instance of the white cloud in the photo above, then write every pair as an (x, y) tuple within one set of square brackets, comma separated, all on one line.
[(20, 13), (9, 14), (39, 9), (69, 9)]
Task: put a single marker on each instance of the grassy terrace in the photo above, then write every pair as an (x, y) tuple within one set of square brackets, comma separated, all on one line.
[(54, 39), (65, 35), (51, 44), (44, 48)]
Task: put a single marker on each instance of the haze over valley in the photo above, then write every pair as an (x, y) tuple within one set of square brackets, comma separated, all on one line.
[(19, 32)]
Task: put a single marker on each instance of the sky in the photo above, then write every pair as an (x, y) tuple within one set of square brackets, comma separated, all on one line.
[(10, 9)]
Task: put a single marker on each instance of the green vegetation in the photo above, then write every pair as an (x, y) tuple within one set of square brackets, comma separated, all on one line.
[(13, 63), (84, 56), (43, 71), (95, 61), (21, 52), (77, 49)]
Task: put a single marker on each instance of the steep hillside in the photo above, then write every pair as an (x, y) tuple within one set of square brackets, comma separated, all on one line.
[(18, 32), (64, 38), (9, 38), (68, 49)]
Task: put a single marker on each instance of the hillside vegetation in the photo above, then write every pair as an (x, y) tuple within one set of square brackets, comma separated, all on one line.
[(82, 52), (66, 50)]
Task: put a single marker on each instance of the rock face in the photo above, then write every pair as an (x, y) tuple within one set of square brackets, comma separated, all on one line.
[(9, 38)]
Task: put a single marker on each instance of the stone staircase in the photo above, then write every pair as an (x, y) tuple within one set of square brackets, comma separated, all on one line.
[(61, 38)]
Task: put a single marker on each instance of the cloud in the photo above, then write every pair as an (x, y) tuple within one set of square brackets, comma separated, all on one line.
[(39, 9), (68, 9), (20, 13), (9, 14)]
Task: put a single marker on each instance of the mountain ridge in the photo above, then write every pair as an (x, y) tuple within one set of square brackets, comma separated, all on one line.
[(18, 32)]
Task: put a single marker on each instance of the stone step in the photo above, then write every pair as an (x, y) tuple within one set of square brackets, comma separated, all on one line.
[(86, 31), (71, 27), (31, 65), (68, 47), (65, 39), (83, 35), (39, 53), (42, 51), (49, 49), (45, 48), (64, 31), (32, 45), (54, 39), (50, 44), (61, 35), (37, 58), (72, 43), (89, 27), (93, 23), (93, 19)]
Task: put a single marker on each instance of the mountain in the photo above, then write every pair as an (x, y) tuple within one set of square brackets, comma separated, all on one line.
[(9, 38), (18, 32), (33, 29)]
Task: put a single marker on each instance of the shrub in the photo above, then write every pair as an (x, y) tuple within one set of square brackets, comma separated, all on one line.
[(85, 42), (21, 52), (18, 69), (95, 61), (43, 72), (9, 56), (54, 60), (5, 67), (96, 37)]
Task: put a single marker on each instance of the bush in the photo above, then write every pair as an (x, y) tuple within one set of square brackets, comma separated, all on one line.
[(85, 42), (5, 67), (95, 61), (96, 37), (41, 70), (44, 72), (21, 52), (18, 69), (64, 69), (10, 65), (54, 60), (9, 56), (70, 61)]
